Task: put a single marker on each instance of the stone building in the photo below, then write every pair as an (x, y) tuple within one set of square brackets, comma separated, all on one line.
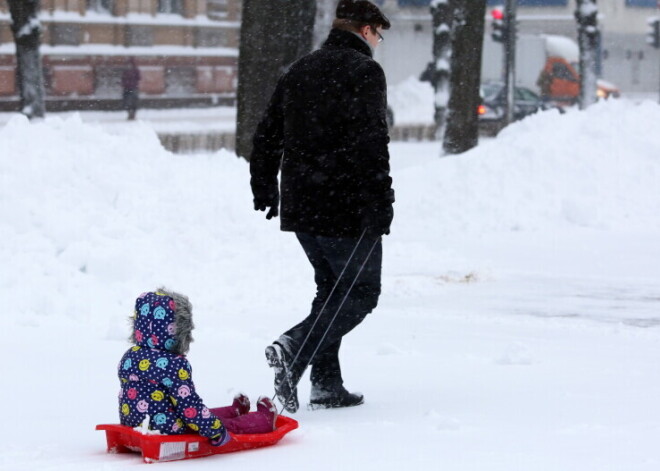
[(186, 50)]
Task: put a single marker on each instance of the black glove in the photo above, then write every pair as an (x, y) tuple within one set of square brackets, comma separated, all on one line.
[(272, 203), (377, 219)]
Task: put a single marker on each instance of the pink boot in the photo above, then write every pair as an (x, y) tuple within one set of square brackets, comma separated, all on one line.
[(261, 421), (266, 407), (240, 406), (241, 403)]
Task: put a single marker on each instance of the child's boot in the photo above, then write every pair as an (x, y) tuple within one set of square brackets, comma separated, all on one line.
[(266, 407), (241, 404)]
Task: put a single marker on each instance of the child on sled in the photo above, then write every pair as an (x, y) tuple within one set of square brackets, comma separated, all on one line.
[(157, 390)]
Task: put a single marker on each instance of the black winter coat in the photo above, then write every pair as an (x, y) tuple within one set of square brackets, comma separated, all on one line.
[(325, 127)]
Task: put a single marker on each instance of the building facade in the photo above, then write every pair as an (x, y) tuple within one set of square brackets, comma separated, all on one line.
[(626, 59), (186, 50)]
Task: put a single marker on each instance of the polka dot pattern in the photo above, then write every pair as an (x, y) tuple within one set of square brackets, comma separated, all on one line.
[(157, 382)]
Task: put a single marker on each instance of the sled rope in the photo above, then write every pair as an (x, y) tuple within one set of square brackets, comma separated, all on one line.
[(318, 316)]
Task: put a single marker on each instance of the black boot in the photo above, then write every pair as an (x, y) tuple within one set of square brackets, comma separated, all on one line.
[(286, 378), (331, 397)]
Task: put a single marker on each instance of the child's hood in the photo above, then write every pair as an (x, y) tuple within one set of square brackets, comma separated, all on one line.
[(163, 321)]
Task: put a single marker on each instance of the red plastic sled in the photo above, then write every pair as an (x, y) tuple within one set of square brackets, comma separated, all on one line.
[(157, 448)]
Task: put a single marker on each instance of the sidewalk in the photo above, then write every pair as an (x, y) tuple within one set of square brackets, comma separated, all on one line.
[(189, 130)]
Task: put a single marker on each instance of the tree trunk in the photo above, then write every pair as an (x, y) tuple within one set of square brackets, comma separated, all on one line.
[(586, 15), (325, 14), (439, 69), (462, 130), (274, 33), (29, 75)]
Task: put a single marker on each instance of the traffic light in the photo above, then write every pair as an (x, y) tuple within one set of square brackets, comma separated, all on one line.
[(499, 33), (653, 35)]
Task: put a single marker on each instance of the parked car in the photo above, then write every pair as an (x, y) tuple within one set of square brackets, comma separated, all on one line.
[(491, 110)]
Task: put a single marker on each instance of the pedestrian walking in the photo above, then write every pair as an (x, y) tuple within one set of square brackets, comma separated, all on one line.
[(325, 128), (130, 83)]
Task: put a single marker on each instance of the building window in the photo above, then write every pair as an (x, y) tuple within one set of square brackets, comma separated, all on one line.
[(217, 9), (170, 6), (641, 3), (542, 3), (533, 3), (414, 3), (180, 81), (521, 3), (101, 6)]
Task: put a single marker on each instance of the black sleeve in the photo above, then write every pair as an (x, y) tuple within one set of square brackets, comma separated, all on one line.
[(373, 159), (268, 146)]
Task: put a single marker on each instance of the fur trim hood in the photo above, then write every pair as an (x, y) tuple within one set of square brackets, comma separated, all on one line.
[(163, 321)]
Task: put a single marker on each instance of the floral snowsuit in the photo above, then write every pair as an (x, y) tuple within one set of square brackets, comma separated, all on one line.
[(156, 382)]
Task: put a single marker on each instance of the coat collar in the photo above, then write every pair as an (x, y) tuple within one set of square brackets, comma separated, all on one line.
[(345, 39)]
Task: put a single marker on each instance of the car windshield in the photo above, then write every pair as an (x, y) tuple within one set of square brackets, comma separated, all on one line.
[(490, 90), (526, 95)]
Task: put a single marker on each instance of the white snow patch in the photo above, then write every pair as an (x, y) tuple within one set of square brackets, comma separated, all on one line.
[(561, 46), (412, 102), (515, 354), (29, 27), (144, 429), (111, 50)]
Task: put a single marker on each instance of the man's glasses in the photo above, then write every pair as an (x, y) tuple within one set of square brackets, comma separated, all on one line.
[(380, 36)]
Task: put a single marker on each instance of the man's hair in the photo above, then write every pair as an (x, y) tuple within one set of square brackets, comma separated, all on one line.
[(362, 13), (351, 25)]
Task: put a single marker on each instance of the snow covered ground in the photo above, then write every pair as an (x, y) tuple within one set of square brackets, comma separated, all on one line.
[(177, 120), (519, 326)]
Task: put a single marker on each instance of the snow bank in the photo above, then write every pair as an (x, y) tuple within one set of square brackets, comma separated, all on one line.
[(599, 169), (412, 102), (82, 208)]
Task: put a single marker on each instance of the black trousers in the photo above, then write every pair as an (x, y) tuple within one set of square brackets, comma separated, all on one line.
[(130, 100), (329, 257)]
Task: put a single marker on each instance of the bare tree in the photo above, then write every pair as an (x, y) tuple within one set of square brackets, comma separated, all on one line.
[(441, 14), (274, 33), (586, 15), (325, 14), (462, 129), (29, 75)]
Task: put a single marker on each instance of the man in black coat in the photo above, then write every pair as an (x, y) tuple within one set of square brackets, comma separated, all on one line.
[(325, 129)]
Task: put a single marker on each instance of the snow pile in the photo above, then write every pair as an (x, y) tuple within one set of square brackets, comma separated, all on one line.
[(598, 169), (561, 46), (412, 102), (82, 208)]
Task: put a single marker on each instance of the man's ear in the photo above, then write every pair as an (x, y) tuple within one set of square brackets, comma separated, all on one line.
[(364, 31)]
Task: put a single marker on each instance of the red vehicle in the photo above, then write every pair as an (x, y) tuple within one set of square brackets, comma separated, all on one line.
[(559, 82)]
